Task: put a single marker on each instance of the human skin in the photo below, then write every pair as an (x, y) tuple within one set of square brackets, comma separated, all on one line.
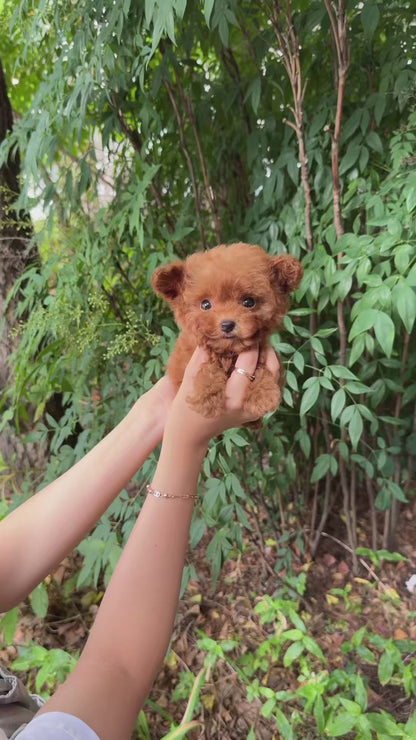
[(134, 623)]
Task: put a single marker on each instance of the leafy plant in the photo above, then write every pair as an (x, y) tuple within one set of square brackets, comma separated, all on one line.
[(243, 169), (52, 666), (320, 701)]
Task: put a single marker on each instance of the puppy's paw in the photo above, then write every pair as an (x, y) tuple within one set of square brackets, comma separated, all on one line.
[(264, 395), (208, 398)]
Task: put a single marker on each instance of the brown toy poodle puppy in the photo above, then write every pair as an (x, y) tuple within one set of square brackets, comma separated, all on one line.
[(225, 300)]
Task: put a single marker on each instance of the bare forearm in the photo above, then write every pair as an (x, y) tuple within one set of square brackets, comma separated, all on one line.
[(37, 535), (140, 601), (134, 622)]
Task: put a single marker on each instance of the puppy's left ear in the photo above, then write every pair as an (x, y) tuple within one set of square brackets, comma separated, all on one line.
[(168, 281), (286, 272)]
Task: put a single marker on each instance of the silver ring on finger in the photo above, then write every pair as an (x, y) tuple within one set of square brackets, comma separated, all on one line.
[(248, 375)]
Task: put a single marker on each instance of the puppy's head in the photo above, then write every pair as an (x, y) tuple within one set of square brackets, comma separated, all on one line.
[(229, 297)]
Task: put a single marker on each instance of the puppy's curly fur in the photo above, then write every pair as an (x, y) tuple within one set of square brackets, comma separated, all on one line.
[(225, 300)]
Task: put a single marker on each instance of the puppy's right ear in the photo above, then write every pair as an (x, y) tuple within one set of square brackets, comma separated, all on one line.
[(168, 281), (287, 272)]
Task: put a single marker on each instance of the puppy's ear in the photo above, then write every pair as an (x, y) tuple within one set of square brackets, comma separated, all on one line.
[(286, 272), (168, 281)]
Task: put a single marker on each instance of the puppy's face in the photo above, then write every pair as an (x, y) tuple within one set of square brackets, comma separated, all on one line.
[(229, 297)]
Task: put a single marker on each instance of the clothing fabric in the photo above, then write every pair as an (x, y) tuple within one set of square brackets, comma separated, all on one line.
[(17, 706), (57, 726), (18, 721)]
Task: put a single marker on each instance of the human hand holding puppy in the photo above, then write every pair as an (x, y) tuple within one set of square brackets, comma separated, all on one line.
[(188, 424), (227, 300)]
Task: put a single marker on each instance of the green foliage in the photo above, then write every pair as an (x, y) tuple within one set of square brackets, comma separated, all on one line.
[(52, 667), (331, 703), (148, 130), (8, 624)]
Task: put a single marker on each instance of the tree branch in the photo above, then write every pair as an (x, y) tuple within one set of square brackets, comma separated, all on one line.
[(338, 22), (137, 143), (209, 192), (283, 26), (187, 155)]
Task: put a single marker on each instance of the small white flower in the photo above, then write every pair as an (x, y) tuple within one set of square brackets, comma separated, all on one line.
[(411, 584)]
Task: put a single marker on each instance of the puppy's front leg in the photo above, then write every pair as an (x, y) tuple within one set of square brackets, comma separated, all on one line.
[(208, 398), (263, 395)]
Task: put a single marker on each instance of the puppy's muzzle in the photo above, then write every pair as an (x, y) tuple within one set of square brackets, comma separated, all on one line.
[(227, 326)]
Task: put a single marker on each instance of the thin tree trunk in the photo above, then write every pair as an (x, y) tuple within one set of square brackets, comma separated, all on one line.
[(16, 252)]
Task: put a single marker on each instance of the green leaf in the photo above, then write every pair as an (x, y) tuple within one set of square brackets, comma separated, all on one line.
[(350, 157), (337, 403), (405, 301), (304, 442), (180, 7), (292, 380), (373, 140), (312, 647), (299, 362), (357, 349), (268, 708), (384, 331), (383, 723), (340, 724), (391, 557), (310, 396), (379, 107), (8, 625), (292, 653), (396, 491), (285, 729), (208, 6), (352, 706), (223, 30), (355, 428), (149, 7), (318, 713), (318, 122), (410, 725), (340, 371), (364, 321), (293, 634), (394, 227), (370, 16), (411, 200), (39, 600), (402, 257), (383, 499), (360, 693), (355, 387), (196, 532), (317, 345), (323, 465), (255, 92)]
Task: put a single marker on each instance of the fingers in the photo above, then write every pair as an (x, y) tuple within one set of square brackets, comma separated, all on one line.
[(198, 358), (236, 388), (240, 378)]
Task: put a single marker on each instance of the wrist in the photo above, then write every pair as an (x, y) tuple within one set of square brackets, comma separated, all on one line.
[(186, 438), (179, 464), (146, 420)]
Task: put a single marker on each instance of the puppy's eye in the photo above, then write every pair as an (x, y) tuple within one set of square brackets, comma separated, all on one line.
[(206, 304), (248, 302)]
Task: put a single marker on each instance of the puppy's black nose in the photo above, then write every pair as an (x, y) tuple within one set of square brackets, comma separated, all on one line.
[(227, 326)]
